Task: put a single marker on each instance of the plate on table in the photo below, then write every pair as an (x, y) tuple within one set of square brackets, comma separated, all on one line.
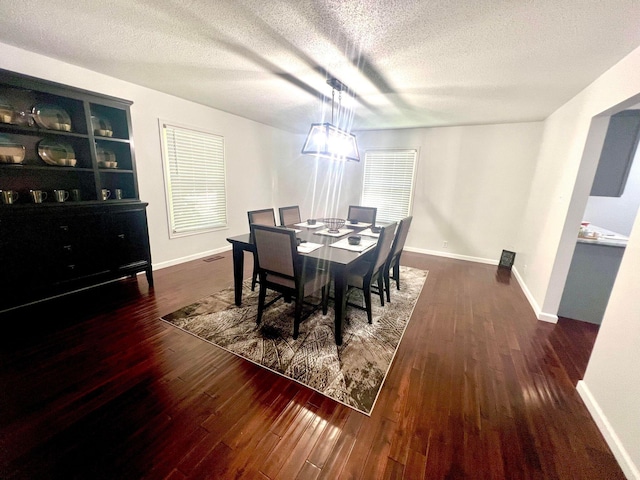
[(306, 225), (101, 126), (339, 233), (357, 224), (365, 243), (59, 154), (51, 117), (369, 233)]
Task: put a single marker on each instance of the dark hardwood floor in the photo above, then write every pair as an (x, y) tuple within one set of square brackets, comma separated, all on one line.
[(94, 386)]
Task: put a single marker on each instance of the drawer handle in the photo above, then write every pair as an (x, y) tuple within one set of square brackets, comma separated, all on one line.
[(64, 228), (71, 267), (68, 248), (121, 236)]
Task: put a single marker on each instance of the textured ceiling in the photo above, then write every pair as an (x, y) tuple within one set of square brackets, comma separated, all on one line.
[(409, 63)]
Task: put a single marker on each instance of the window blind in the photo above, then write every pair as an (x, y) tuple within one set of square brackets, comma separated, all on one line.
[(388, 182), (195, 179)]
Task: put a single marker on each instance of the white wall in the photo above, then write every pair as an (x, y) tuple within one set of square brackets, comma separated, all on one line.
[(565, 168), (611, 386), (251, 151), (471, 184), (617, 213)]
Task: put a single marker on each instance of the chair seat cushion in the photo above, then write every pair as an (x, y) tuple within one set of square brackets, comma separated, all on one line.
[(314, 281), (356, 275)]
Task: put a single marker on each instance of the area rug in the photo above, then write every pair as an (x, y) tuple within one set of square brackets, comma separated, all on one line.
[(352, 373)]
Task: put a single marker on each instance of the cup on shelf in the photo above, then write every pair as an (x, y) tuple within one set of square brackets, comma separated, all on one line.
[(38, 196), (60, 195), (9, 197), (105, 194), (75, 195), (118, 193)]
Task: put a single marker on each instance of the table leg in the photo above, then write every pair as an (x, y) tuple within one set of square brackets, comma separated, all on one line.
[(238, 272), (340, 296)]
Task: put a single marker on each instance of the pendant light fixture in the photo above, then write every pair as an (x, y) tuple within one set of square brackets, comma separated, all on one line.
[(327, 140)]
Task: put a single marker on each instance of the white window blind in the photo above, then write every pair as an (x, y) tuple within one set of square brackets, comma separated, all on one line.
[(194, 179), (388, 182)]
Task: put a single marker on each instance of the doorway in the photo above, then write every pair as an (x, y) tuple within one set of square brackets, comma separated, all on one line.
[(606, 222)]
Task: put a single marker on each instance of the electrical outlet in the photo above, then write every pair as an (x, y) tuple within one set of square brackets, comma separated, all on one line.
[(445, 244)]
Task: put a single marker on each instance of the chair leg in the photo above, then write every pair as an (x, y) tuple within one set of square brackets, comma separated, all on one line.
[(325, 299), (387, 283), (367, 300), (254, 279), (261, 298), (296, 319), (396, 274), (381, 289)]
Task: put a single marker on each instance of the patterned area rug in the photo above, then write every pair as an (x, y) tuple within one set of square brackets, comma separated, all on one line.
[(352, 373)]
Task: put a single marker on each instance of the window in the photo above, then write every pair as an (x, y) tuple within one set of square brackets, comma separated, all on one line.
[(388, 182), (194, 179)]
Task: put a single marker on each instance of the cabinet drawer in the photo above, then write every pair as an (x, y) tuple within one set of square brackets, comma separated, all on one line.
[(128, 239), (77, 246)]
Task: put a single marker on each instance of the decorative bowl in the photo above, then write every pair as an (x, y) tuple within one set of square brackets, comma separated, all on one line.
[(354, 239), (334, 224), (376, 229)]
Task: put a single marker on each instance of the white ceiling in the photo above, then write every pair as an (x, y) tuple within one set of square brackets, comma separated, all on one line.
[(410, 63)]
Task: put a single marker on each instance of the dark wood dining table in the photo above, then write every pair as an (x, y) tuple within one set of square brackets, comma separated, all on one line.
[(338, 260)]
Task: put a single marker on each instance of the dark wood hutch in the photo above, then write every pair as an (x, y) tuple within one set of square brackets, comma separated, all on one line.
[(78, 142)]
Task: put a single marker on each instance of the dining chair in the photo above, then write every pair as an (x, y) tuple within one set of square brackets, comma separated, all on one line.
[(369, 270), (362, 214), (265, 216), (289, 215), (283, 270), (393, 261)]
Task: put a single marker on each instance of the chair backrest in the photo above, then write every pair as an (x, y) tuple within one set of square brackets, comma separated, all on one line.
[(276, 249), (261, 217), (400, 238), (362, 214), (383, 247), (289, 215)]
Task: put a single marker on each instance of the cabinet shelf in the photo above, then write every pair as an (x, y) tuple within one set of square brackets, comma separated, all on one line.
[(50, 168), (42, 132)]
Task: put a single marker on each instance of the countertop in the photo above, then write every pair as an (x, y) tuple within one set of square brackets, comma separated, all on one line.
[(604, 237)]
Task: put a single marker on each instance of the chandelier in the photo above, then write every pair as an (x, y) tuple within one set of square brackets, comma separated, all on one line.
[(328, 141)]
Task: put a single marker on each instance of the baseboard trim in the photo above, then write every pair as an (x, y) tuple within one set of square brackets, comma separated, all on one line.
[(613, 441), (466, 258), (540, 315), (189, 258)]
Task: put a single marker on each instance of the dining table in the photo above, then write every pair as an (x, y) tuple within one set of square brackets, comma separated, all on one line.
[(329, 250)]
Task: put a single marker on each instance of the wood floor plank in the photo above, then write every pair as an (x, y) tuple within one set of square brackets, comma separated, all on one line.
[(479, 389)]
